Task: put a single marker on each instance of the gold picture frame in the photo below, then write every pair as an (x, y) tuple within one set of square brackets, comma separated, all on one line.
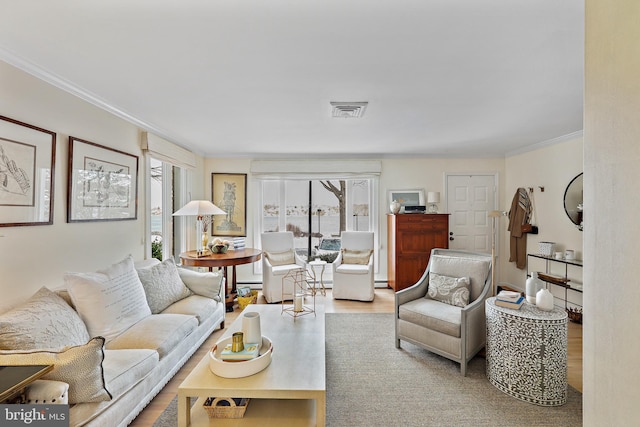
[(229, 193)]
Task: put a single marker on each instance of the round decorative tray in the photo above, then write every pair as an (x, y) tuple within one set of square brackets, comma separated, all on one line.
[(242, 368)]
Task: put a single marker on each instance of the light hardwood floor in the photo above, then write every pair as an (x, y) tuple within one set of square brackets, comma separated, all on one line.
[(383, 303)]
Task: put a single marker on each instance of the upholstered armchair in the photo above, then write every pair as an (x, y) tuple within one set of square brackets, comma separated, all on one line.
[(444, 311), (353, 268), (278, 258)]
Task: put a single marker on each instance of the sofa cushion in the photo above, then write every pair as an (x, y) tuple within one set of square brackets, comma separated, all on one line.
[(123, 369), (432, 314), (449, 290), (206, 284), (350, 256), (162, 285), (281, 258), (109, 301), (44, 321), (159, 332), (195, 305), (79, 366)]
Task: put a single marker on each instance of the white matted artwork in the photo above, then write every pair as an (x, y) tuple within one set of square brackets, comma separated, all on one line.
[(103, 183), (413, 197), (27, 160)]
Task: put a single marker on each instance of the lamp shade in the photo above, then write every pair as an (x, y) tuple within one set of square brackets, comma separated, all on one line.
[(433, 197), (199, 208)]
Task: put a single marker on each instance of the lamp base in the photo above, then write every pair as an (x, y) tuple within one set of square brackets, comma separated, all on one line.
[(433, 208)]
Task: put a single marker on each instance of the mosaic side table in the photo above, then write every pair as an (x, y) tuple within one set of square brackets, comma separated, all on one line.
[(527, 353)]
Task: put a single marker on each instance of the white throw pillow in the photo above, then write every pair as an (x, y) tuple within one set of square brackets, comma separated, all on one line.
[(205, 284), (79, 366), (162, 285), (43, 321), (356, 257), (109, 301), (281, 258), (450, 290)]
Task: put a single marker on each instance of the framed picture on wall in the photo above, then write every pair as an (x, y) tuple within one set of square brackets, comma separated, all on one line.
[(102, 183), (407, 197), (27, 161), (229, 193)]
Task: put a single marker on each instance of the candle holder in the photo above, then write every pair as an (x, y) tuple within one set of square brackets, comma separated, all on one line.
[(297, 290)]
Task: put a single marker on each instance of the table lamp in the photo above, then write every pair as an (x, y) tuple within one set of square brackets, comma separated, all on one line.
[(433, 198), (202, 210)]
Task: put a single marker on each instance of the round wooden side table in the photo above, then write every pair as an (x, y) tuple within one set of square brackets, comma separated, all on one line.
[(527, 352)]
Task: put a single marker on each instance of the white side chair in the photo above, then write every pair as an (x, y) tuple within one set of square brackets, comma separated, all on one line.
[(353, 268), (278, 258)]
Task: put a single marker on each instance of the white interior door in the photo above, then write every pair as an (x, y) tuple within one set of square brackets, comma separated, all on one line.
[(469, 200)]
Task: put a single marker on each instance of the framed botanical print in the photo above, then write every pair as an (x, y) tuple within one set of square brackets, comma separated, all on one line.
[(27, 161), (102, 183), (229, 193)]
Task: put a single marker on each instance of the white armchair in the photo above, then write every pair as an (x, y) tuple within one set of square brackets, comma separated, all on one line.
[(278, 258), (353, 268)]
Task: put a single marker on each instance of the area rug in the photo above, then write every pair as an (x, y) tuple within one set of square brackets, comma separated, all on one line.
[(371, 383)]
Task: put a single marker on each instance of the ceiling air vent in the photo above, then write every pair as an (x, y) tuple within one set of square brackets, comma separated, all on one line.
[(348, 110)]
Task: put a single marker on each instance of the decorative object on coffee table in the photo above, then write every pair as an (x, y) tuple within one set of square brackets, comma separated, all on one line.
[(298, 281)]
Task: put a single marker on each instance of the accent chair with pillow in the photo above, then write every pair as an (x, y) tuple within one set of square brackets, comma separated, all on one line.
[(444, 311), (278, 258), (353, 268)]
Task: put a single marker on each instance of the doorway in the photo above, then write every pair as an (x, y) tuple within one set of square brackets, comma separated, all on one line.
[(470, 197)]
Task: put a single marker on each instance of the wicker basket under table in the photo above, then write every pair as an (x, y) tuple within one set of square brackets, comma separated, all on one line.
[(234, 407)]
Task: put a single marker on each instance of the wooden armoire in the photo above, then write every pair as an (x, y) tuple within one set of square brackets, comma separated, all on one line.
[(410, 238)]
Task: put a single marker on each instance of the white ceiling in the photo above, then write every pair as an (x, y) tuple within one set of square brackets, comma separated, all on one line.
[(452, 78)]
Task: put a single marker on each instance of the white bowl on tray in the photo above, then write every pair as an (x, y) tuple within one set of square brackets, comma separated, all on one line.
[(239, 368)]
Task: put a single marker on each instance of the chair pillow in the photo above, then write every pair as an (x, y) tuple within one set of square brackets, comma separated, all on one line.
[(109, 301), (206, 284), (281, 258), (44, 321), (78, 366), (162, 285), (450, 290), (356, 257)]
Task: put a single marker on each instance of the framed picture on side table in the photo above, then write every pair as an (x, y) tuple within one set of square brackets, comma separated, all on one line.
[(27, 161), (102, 183), (229, 193)]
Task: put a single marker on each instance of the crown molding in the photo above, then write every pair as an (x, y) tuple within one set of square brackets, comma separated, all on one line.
[(548, 142)]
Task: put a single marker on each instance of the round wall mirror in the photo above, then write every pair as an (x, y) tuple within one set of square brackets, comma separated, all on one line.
[(573, 201)]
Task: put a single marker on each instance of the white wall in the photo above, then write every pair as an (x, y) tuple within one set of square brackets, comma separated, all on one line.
[(552, 167), (35, 256), (612, 234)]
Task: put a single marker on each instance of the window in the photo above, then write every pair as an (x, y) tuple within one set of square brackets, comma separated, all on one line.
[(317, 211)]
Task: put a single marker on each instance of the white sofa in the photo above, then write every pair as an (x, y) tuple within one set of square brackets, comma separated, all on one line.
[(112, 377)]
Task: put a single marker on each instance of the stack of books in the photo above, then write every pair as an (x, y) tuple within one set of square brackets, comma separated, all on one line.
[(509, 299), (238, 243), (249, 352)]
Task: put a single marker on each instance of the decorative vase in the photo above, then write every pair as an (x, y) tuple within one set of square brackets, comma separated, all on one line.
[(395, 207), (251, 328), (533, 286), (544, 300), (205, 240)]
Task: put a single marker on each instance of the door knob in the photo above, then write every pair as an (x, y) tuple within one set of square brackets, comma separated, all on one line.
[(451, 238)]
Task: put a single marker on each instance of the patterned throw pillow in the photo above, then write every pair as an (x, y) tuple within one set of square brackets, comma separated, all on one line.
[(356, 257), (450, 290), (78, 366), (44, 321), (281, 258), (109, 301), (162, 285)]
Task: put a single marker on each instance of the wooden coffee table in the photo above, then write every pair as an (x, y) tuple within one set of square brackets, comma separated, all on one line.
[(291, 391)]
